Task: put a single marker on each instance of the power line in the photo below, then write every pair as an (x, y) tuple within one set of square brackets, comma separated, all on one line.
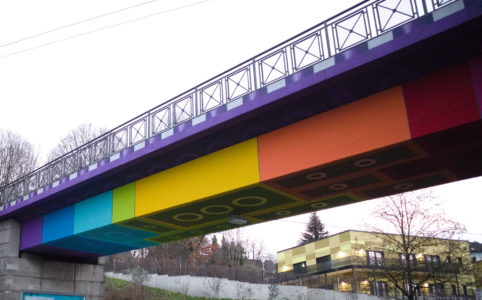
[(76, 23), (105, 28), (355, 225)]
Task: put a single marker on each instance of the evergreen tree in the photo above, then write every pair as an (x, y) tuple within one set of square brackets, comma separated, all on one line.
[(315, 230), (214, 241)]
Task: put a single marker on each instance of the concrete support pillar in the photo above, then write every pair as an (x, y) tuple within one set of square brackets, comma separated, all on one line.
[(31, 273)]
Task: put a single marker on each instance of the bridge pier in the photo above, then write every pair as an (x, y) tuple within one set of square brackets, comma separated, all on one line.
[(26, 273)]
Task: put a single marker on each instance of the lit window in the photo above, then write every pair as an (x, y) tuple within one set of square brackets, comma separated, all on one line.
[(378, 288)]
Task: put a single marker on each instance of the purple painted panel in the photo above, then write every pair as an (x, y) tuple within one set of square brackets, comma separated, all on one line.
[(61, 252), (31, 233), (475, 67)]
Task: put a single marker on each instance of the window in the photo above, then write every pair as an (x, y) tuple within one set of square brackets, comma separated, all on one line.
[(464, 288), (454, 290), (433, 260), (323, 263), (436, 289), (407, 259), (459, 260), (416, 289), (300, 267), (323, 259), (375, 258), (378, 288)]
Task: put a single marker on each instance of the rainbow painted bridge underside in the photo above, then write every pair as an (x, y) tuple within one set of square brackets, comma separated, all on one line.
[(420, 134)]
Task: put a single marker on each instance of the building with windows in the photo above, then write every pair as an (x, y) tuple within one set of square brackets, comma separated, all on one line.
[(359, 261)]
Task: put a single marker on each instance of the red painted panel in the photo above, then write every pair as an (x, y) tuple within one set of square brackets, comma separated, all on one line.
[(475, 66), (371, 123), (440, 101)]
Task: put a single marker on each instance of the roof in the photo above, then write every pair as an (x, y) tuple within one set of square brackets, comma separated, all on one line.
[(475, 247)]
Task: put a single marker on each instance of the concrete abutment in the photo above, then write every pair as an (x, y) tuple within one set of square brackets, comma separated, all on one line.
[(31, 273)]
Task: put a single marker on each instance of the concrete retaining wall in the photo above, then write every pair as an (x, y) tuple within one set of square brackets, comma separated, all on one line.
[(204, 287)]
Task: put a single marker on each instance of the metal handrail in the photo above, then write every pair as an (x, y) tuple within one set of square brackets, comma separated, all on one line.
[(389, 264), (355, 25)]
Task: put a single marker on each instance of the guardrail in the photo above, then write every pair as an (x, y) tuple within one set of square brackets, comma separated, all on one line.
[(358, 24), (361, 262)]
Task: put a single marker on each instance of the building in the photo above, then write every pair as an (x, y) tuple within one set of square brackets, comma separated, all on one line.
[(476, 251), (355, 261)]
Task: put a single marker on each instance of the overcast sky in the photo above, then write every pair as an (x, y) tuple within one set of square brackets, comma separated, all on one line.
[(62, 65)]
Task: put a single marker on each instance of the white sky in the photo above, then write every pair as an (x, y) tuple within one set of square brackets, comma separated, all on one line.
[(110, 76)]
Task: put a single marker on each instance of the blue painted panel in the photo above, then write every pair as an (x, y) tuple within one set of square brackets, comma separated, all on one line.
[(35, 296), (93, 213), (121, 235), (58, 224), (88, 245)]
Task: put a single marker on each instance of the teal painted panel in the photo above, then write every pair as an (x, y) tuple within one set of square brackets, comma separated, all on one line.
[(83, 244), (121, 235), (36, 296), (58, 224), (93, 213)]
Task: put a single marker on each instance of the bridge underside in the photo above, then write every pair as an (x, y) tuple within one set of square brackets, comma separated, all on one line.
[(419, 134)]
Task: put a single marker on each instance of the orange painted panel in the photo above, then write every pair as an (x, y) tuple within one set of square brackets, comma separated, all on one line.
[(367, 124)]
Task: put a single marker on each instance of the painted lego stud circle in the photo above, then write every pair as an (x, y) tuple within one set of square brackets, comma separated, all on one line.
[(188, 217), (249, 201), (116, 235), (365, 162), (319, 205), (316, 175), (283, 213), (338, 186), (216, 209), (403, 186)]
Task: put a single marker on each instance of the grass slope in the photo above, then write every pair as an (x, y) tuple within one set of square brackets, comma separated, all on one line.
[(117, 289)]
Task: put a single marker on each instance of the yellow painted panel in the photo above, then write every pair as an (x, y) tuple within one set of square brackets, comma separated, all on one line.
[(281, 256), (228, 169), (299, 259), (310, 248)]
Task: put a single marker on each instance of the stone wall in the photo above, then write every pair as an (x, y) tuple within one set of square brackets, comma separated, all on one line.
[(33, 273)]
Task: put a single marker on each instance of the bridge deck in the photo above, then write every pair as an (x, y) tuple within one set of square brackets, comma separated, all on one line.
[(369, 121)]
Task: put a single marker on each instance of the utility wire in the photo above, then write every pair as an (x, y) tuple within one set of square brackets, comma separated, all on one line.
[(356, 225), (105, 28), (76, 23)]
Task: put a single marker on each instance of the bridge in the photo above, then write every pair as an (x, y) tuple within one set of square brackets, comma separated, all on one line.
[(382, 98)]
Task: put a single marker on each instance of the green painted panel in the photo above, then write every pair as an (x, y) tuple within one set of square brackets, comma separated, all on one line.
[(241, 203), (124, 202)]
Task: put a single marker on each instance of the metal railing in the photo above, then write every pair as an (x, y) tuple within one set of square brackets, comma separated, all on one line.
[(361, 262), (349, 28)]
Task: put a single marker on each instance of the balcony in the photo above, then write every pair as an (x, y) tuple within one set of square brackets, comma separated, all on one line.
[(360, 262)]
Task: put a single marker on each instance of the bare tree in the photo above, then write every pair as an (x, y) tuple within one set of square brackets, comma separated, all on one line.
[(255, 249), (419, 244), (76, 138), (17, 157)]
